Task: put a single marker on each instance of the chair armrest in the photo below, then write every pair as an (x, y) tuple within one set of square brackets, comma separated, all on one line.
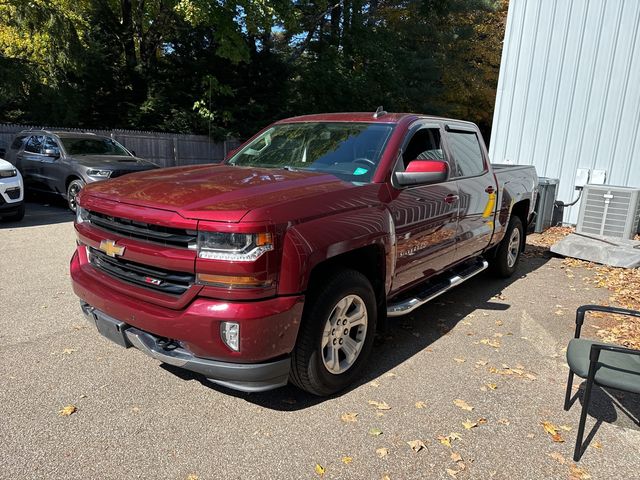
[(581, 311), (594, 354)]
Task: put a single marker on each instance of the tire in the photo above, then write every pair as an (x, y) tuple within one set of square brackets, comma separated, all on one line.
[(15, 217), (507, 255), (73, 189), (324, 370)]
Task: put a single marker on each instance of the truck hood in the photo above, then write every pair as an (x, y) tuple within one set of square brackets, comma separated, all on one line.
[(216, 192)]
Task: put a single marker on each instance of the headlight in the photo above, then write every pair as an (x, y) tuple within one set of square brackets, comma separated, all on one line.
[(99, 173), (8, 173), (81, 215), (235, 247)]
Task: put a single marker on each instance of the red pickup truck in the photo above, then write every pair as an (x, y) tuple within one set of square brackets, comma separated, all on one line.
[(279, 264)]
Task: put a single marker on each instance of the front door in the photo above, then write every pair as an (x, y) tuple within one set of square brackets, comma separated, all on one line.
[(425, 216), (31, 162)]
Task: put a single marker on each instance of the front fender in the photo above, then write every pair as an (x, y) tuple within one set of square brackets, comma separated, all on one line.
[(308, 244)]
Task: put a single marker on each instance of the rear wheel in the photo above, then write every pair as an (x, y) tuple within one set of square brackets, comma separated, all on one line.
[(72, 193), (336, 334), (507, 255)]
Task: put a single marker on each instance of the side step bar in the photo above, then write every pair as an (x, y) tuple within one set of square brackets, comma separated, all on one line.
[(436, 289)]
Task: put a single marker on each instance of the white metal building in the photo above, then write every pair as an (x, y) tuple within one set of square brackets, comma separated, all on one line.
[(569, 91)]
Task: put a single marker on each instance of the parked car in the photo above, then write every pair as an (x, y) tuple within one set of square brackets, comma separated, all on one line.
[(64, 162), (279, 264), (11, 193)]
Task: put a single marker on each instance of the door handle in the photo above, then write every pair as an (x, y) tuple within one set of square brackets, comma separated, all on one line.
[(490, 189), (451, 198)]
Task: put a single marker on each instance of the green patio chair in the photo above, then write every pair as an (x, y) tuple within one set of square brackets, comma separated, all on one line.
[(599, 363)]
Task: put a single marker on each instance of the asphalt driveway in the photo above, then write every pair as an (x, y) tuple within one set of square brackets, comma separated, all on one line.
[(472, 376)]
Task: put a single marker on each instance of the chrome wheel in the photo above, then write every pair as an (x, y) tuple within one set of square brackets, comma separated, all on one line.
[(344, 334), (513, 250)]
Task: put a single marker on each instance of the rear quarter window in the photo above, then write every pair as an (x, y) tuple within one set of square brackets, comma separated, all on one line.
[(467, 153)]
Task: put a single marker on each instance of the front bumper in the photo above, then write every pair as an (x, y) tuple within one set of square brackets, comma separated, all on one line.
[(254, 377), (268, 329)]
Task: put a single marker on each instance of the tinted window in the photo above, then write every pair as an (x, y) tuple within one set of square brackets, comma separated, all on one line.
[(92, 146), (34, 144), (466, 153)]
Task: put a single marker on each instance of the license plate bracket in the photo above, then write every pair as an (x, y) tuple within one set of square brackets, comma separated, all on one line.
[(112, 329)]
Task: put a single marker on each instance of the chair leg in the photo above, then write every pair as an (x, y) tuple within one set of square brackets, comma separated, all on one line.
[(583, 419), (567, 397)]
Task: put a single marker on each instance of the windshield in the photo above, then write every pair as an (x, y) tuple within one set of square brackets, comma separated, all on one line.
[(350, 151), (92, 146)]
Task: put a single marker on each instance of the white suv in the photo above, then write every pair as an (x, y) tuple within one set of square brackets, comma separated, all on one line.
[(11, 192)]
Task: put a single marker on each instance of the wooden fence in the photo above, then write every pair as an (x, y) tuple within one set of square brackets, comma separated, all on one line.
[(165, 149)]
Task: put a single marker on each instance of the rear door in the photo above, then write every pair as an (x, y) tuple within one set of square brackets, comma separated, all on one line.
[(425, 216), (476, 186)]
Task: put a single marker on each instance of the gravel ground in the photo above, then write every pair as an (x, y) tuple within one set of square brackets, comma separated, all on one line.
[(138, 419)]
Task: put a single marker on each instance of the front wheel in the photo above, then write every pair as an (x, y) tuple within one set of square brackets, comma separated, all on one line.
[(508, 252), (72, 193), (336, 335), (16, 216)]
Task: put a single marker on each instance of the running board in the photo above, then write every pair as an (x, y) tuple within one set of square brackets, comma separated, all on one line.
[(434, 290)]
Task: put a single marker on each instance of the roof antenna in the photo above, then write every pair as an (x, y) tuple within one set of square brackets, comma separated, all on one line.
[(379, 112)]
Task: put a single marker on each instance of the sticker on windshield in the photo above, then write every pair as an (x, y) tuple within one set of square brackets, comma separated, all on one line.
[(360, 171)]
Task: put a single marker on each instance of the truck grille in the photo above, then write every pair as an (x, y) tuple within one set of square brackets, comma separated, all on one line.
[(166, 281), (175, 237)]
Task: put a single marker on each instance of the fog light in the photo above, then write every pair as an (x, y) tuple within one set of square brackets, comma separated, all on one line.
[(230, 334)]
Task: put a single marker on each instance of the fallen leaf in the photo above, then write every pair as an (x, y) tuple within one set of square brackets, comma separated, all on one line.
[(492, 386), (491, 343), (550, 428), (558, 457), (557, 438), (460, 360), (596, 445), (385, 477), (349, 417), (446, 441), (390, 374), (320, 469), (504, 421), (192, 476), (380, 405), (469, 424), (482, 362), (374, 432), (68, 410), (421, 405), (452, 472), (566, 428), (499, 323), (347, 460), (69, 351), (374, 384), (462, 404), (456, 457), (577, 473), (382, 452), (416, 445)]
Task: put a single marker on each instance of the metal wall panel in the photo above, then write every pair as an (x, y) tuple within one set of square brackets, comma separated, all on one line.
[(569, 91)]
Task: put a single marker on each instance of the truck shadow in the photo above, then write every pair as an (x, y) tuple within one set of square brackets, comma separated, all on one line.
[(405, 336)]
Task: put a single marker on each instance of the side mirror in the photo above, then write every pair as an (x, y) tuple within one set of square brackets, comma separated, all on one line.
[(231, 153), (52, 152), (423, 172)]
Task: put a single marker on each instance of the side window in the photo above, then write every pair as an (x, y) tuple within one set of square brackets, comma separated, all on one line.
[(424, 145), (50, 144), (467, 154), (34, 144)]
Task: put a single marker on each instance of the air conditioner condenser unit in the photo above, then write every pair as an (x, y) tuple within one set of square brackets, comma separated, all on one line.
[(610, 211)]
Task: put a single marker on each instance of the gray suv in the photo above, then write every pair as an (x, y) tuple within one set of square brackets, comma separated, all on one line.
[(63, 162)]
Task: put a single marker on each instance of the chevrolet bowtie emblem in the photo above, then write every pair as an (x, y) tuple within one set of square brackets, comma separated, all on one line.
[(110, 248)]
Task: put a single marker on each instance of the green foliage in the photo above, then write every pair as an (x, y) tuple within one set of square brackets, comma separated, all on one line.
[(228, 69)]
